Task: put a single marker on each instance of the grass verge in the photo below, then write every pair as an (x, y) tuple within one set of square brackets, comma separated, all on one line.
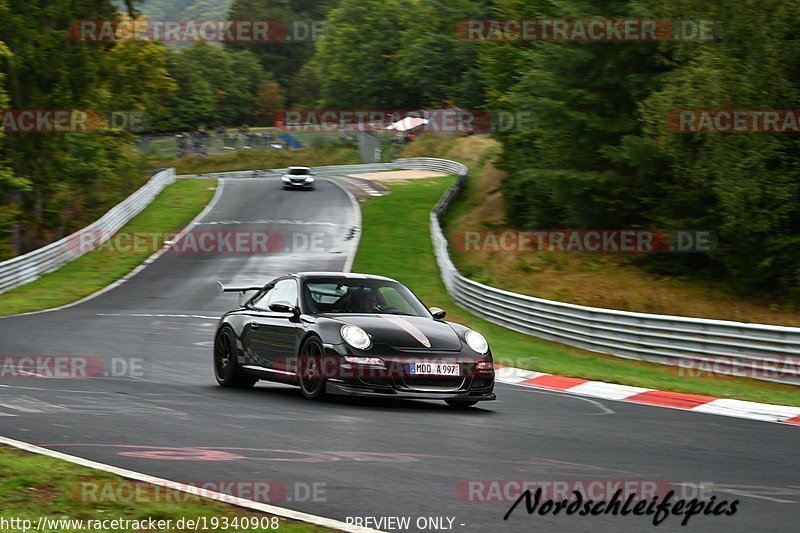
[(396, 242), (170, 212), (33, 485)]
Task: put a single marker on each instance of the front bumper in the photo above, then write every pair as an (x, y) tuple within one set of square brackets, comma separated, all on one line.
[(358, 389), (305, 184), (396, 382)]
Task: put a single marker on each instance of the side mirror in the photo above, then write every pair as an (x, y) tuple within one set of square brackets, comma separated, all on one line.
[(438, 313), (282, 307)]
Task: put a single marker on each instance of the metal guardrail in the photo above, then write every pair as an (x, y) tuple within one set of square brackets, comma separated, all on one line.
[(28, 267), (240, 174), (761, 351), (349, 169)]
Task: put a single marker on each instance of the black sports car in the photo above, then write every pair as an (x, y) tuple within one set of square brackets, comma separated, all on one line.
[(351, 334)]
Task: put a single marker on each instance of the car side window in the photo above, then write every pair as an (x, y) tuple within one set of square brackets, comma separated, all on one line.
[(260, 301), (283, 291)]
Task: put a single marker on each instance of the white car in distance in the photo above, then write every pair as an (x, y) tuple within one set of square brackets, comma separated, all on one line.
[(298, 178)]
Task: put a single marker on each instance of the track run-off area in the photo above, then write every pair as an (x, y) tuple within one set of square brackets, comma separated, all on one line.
[(156, 408)]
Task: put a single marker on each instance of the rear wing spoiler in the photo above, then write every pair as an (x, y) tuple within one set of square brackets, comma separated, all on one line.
[(232, 288), (241, 289)]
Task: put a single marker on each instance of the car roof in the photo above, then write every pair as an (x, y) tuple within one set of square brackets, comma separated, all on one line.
[(298, 168), (347, 275)]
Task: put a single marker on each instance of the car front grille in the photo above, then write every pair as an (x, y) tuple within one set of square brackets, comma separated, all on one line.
[(433, 383)]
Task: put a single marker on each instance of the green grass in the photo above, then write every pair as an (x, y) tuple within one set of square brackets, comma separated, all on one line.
[(171, 211), (34, 485), (396, 243)]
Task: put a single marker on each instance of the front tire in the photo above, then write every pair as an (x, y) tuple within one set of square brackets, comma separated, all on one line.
[(309, 370), (226, 366)]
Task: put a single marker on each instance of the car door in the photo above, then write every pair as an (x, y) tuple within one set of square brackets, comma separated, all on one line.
[(274, 334)]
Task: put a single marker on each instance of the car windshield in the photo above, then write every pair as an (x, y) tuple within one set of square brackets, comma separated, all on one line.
[(365, 296), (299, 171)]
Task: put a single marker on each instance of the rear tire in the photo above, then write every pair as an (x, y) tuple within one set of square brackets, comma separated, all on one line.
[(309, 369), (226, 365), (460, 404)]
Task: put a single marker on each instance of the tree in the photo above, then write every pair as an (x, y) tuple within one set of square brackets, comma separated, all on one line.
[(138, 79), (11, 187), (216, 86), (743, 186), (435, 65), (268, 101), (579, 165), (58, 182), (282, 58), (357, 59), (304, 87)]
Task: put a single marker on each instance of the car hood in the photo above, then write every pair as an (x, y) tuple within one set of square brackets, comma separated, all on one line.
[(405, 332)]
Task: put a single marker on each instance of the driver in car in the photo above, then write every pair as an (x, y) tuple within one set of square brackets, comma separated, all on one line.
[(363, 301)]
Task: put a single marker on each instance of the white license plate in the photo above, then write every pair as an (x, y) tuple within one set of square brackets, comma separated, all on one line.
[(434, 369)]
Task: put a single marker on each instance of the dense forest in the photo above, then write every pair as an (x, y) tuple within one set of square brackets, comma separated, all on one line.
[(600, 152)]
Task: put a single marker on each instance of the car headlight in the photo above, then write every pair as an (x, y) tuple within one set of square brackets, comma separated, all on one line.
[(356, 337), (476, 341)]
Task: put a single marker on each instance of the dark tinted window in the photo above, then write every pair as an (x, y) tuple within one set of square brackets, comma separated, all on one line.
[(365, 296)]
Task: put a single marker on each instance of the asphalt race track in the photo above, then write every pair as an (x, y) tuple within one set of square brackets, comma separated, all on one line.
[(370, 458)]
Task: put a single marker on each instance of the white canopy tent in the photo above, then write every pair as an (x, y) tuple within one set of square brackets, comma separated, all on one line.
[(407, 124)]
